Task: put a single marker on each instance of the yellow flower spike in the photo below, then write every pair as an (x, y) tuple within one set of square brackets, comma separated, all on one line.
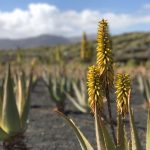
[(94, 88), (104, 53), (123, 87)]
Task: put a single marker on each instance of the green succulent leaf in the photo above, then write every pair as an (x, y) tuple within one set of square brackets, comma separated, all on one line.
[(104, 140), (134, 135), (3, 134), (98, 130), (26, 106), (10, 116), (20, 93), (144, 86), (76, 104), (85, 145), (107, 138), (122, 143), (1, 104), (78, 92), (146, 89), (148, 131)]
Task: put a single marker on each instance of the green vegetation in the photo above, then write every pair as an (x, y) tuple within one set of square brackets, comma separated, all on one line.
[(15, 104), (79, 97), (85, 52), (144, 86), (63, 68), (100, 81), (57, 87), (134, 46)]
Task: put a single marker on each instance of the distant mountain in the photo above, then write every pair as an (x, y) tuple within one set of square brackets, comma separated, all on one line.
[(90, 37), (127, 46), (33, 42)]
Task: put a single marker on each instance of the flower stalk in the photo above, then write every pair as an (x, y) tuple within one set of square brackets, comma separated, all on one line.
[(105, 63)]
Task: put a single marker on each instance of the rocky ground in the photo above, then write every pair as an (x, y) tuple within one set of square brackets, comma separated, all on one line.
[(48, 131)]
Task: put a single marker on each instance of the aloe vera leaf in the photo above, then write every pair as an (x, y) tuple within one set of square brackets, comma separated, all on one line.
[(148, 131), (27, 102), (76, 104), (81, 93), (141, 83), (85, 145), (20, 96), (146, 89), (68, 87), (99, 133), (49, 82), (84, 92), (53, 96), (10, 115), (134, 136), (148, 85), (54, 91), (122, 142), (1, 102), (46, 79), (78, 93), (3, 135), (135, 142), (107, 138), (59, 90)]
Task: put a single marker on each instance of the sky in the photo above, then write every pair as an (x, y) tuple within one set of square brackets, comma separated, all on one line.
[(28, 18)]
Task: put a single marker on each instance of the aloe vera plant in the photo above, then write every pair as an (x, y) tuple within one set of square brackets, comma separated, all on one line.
[(103, 138), (15, 104), (79, 99), (58, 56), (97, 76), (57, 87), (85, 52)]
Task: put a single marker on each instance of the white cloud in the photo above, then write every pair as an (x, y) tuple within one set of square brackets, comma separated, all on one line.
[(146, 6), (44, 18)]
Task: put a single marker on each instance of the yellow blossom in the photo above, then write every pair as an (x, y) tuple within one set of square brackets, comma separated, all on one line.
[(123, 87), (104, 54), (94, 88)]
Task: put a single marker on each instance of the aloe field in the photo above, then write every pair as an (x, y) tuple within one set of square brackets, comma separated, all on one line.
[(84, 98), (46, 130)]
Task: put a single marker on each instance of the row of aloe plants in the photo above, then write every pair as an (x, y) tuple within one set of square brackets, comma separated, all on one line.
[(15, 91), (15, 100), (101, 80), (62, 88)]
